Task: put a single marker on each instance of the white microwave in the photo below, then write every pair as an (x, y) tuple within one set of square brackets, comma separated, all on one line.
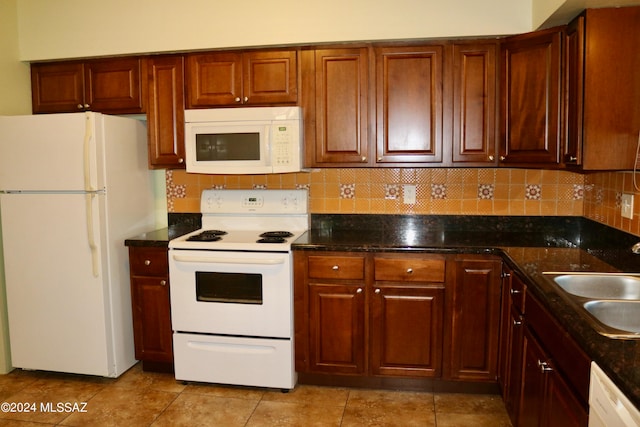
[(255, 140)]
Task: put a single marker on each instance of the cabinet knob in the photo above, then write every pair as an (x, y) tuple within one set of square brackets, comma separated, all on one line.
[(147, 262), (573, 159), (409, 270), (87, 105), (246, 99), (377, 291), (359, 291), (237, 99), (503, 158), (491, 158), (180, 160), (364, 159), (79, 106), (544, 367), (335, 268), (163, 282), (517, 322), (515, 291)]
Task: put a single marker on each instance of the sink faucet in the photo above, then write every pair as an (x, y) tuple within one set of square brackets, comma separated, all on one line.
[(636, 248)]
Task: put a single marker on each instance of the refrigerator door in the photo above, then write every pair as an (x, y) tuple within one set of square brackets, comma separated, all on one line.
[(49, 152), (59, 315)]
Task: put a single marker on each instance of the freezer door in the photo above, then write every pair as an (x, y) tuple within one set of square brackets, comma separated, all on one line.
[(59, 317), (47, 152)]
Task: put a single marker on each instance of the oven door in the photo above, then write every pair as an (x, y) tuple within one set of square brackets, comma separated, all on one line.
[(231, 293)]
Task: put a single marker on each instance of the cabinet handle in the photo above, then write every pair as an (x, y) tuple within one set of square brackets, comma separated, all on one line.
[(491, 158), (409, 270), (517, 322), (359, 291), (573, 159), (163, 282), (515, 291), (377, 291), (505, 274), (335, 268), (237, 99), (544, 367), (147, 262)]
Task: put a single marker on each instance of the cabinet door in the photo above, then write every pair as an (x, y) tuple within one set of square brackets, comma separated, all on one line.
[(165, 115), (562, 408), (574, 87), (513, 376), (57, 87), (533, 382), (340, 101), (406, 330), (114, 85), (474, 103), (475, 319), (409, 104), (531, 99), (152, 319), (270, 77), (214, 79), (336, 328)]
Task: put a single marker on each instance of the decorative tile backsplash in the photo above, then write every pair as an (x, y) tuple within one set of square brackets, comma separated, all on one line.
[(438, 191)]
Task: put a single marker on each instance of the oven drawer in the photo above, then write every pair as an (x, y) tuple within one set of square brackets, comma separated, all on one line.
[(148, 261), (409, 269), (336, 267), (259, 362)]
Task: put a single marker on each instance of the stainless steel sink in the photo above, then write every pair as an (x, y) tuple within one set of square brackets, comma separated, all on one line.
[(600, 286), (621, 315)]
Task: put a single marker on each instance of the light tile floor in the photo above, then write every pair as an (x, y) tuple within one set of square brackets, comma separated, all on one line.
[(138, 398)]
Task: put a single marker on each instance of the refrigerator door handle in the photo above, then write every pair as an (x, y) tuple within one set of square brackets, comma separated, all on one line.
[(90, 235), (88, 134)]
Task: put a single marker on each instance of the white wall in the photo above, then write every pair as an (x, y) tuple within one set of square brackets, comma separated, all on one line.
[(81, 28)]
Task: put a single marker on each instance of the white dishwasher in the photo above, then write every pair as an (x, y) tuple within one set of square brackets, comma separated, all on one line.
[(608, 407)]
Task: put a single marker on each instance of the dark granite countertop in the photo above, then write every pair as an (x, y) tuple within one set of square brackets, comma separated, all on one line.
[(530, 245)]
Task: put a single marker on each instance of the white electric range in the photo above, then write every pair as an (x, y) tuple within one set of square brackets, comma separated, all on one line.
[(231, 289)]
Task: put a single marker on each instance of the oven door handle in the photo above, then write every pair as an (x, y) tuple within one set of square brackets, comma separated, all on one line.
[(214, 260)]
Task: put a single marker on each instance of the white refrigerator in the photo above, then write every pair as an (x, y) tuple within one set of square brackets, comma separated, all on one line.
[(73, 187)]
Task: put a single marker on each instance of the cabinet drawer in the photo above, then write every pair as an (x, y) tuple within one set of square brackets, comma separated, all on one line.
[(149, 261), (409, 270), (336, 267)]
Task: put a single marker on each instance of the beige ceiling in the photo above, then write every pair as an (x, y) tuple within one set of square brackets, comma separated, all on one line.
[(571, 8)]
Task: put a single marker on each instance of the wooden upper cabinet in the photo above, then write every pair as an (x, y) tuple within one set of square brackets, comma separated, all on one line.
[(165, 115), (336, 110), (242, 78), (532, 99), (603, 82), (113, 86), (474, 103), (409, 106)]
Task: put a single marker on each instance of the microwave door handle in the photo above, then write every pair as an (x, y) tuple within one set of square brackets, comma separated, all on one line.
[(213, 260)]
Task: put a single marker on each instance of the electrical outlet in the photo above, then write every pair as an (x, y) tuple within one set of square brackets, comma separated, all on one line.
[(409, 194), (627, 206)]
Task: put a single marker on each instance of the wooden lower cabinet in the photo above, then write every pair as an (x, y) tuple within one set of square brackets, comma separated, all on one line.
[(548, 380), (336, 328), (406, 330), (370, 314), (475, 318), (151, 309)]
